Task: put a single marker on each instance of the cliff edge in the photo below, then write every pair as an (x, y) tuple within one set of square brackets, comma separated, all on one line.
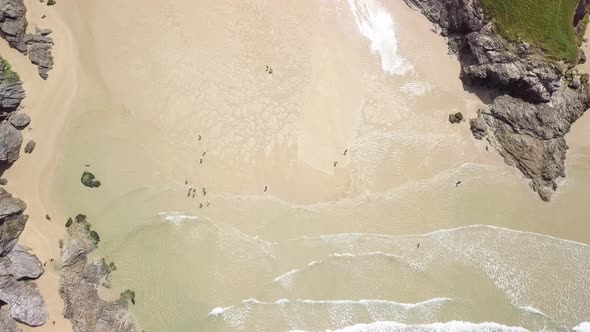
[(535, 98)]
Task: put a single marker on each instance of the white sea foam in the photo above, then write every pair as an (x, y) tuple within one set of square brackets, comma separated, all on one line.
[(452, 326), (176, 217), (218, 311), (377, 25), (582, 327), (416, 88)]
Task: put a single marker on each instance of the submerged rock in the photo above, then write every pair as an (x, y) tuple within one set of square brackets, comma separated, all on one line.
[(11, 141), (79, 283), (89, 180)]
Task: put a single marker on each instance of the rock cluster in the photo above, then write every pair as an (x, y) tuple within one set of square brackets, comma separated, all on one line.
[(13, 28), (11, 95), (80, 280), (40, 45), (532, 109), (17, 269)]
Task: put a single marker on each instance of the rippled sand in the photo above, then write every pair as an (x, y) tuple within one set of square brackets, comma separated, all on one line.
[(381, 235)]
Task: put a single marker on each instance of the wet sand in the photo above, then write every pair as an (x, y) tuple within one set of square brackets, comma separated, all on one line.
[(143, 92)]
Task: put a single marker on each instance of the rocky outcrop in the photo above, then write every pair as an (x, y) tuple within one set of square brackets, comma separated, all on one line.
[(17, 266), (13, 27), (532, 109), (40, 45), (80, 280), (10, 142), (13, 23)]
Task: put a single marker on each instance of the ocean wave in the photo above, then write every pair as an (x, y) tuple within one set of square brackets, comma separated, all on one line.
[(377, 25), (307, 311), (452, 326), (176, 217), (582, 327)]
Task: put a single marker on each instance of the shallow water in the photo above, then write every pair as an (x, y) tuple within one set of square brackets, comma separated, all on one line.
[(383, 238)]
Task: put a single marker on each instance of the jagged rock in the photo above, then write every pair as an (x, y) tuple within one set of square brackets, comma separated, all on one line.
[(89, 180), (3, 181), (456, 117), (13, 23), (10, 142), (7, 324), (21, 264), (19, 120), (531, 111), (30, 146), (79, 282), (40, 45), (24, 301), (11, 89), (531, 136)]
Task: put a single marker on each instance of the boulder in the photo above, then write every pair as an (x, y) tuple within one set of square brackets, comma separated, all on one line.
[(89, 180), (21, 264), (456, 117), (30, 146), (19, 120), (10, 142), (24, 301)]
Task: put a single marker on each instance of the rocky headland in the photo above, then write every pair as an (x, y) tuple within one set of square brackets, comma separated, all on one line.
[(80, 280), (535, 99)]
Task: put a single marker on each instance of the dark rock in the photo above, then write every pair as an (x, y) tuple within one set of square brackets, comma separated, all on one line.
[(456, 117), (11, 89), (69, 222), (30, 146), (10, 142), (50, 2), (3, 181), (19, 120), (13, 23), (128, 295), (531, 136), (88, 179), (24, 301), (12, 221), (531, 111), (7, 324), (79, 283), (40, 45), (575, 82)]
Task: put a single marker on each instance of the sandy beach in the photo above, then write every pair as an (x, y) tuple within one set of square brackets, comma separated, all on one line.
[(175, 97)]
